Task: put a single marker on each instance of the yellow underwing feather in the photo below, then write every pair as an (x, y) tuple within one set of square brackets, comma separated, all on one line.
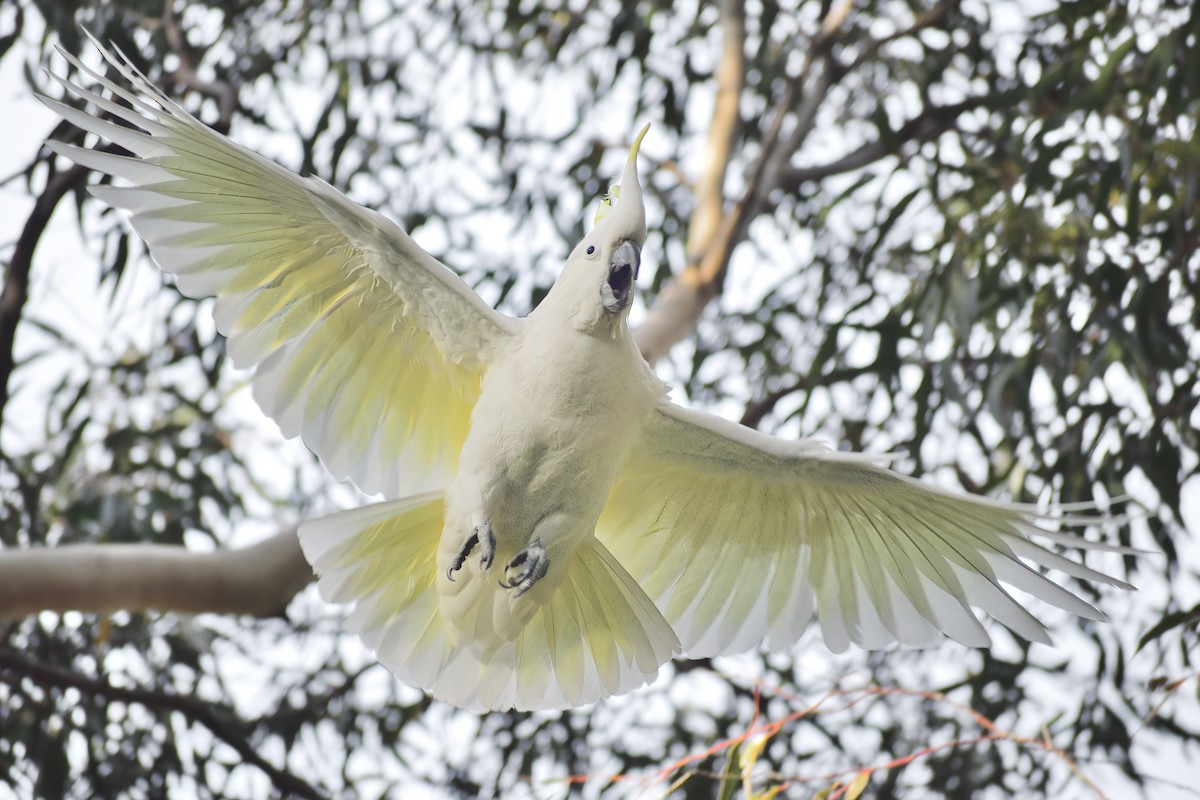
[(739, 537), (318, 293)]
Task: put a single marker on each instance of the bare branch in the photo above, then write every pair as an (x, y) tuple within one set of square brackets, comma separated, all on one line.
[(710, 188), (931, 123), (680, 303), (711, 244), (14, 667), (16, 277), (259, 580), (930, 17), (760, 408), (818, 75)]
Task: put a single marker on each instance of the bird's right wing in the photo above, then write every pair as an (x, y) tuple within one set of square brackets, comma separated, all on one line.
[(366, 346), (738, 536)]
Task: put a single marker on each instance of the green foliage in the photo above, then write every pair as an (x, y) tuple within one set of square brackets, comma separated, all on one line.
[(984, 254)]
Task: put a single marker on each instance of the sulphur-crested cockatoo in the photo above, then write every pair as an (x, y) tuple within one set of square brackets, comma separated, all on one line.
[(582, 528)]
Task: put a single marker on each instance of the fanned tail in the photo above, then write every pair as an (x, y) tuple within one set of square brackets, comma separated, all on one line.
[(380, 558), (597, 635)]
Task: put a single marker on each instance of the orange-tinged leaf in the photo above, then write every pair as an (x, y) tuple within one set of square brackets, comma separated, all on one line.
[(751, 752), (768, 794), (857, 786)]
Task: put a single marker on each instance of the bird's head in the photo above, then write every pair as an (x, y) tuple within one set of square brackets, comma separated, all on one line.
[(600, 272)]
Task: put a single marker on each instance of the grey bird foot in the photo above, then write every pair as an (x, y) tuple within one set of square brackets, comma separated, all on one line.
[(483, 538), (526, 568)]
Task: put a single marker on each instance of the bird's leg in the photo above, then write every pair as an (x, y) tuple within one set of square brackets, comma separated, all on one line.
[(487, 545), (526, 568), (481, 537)]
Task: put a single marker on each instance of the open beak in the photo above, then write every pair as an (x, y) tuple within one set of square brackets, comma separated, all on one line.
[(622, 272)]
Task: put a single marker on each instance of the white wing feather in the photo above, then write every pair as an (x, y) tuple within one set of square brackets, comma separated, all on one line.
[(366, 345), (740, 537)]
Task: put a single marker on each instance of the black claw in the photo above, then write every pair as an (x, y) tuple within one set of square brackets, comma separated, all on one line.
[(461, 558), (483, 538), (531, 565)]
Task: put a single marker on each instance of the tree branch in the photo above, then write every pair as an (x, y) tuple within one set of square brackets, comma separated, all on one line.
[(758, 409), (710, 188), (259, 580), (681, 301), (15, 666), (711, 244), (16, 277), (929, 124)]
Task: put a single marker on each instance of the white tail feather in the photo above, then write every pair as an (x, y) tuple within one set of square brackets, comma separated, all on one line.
[(597, 635)]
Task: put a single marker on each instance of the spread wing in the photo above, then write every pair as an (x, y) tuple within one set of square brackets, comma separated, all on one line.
[(366, 345), (738, 536)]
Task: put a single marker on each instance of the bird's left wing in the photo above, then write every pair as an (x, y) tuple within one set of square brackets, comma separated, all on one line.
[(738, 536), (366, 345)]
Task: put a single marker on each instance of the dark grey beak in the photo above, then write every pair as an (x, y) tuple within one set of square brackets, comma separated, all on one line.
[(617, 291)]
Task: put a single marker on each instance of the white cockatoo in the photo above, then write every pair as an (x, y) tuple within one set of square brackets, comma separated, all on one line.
[(583, 529)]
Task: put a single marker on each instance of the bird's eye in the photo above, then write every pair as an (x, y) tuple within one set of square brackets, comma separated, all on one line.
[(591, 249)]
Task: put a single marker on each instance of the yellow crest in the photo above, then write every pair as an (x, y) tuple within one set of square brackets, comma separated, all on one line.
[(607, 203)]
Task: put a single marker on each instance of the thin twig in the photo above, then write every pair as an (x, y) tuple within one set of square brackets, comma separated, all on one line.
[(758, 409), (931, 123), (16, 277)]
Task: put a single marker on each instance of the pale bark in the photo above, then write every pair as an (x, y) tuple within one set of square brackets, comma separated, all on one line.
[(259, 580), (717, 227), (683, 299)]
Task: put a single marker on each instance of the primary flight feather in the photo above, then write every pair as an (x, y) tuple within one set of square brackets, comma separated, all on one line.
[(564, 529)]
